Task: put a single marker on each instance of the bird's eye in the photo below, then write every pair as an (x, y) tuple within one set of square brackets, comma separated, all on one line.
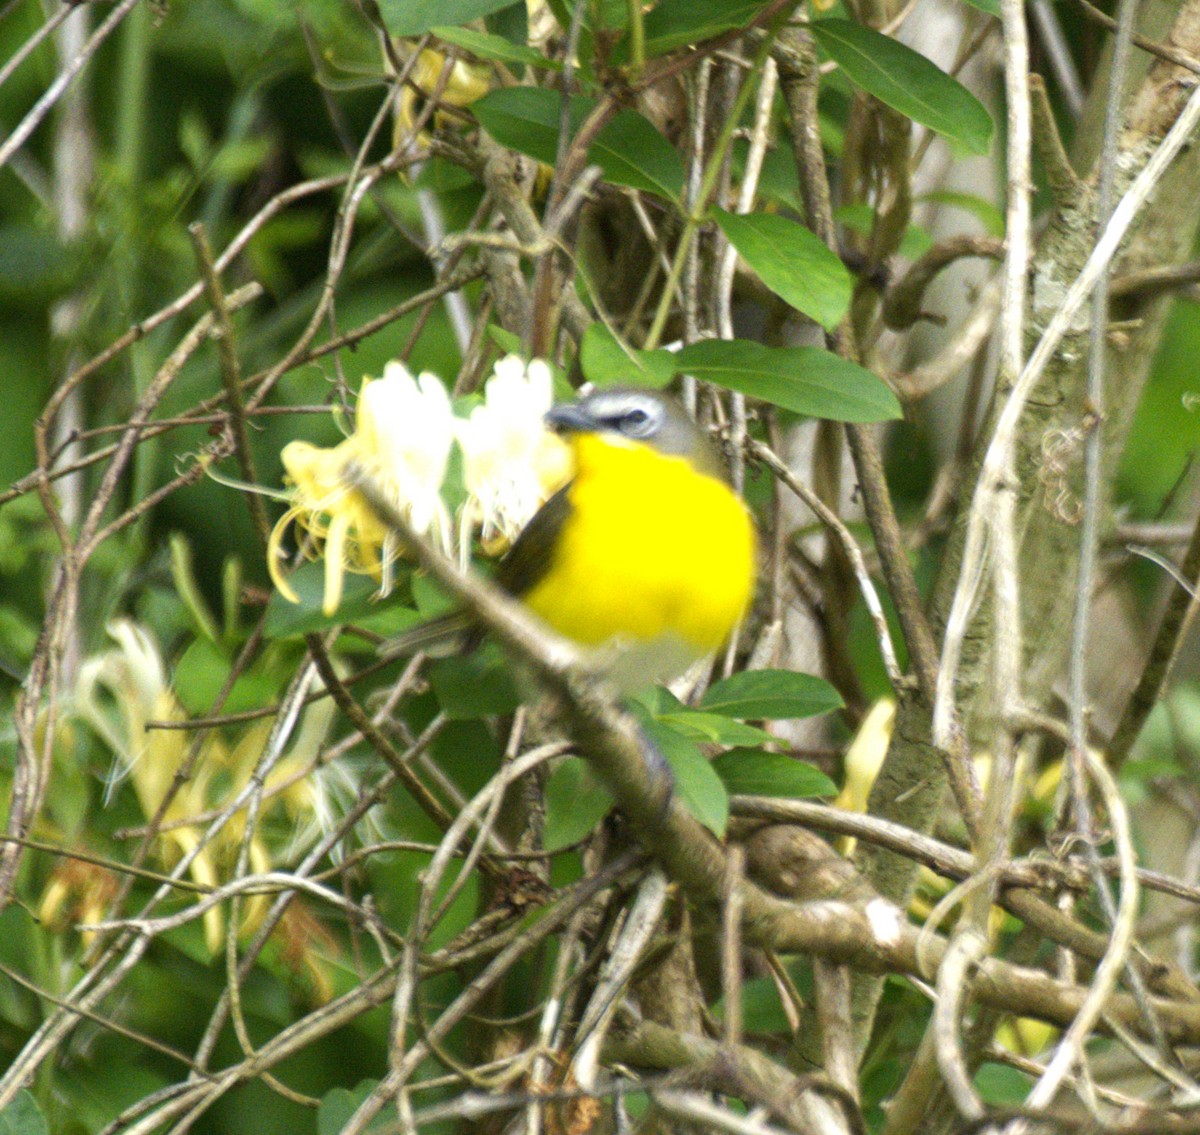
[(635, 418)]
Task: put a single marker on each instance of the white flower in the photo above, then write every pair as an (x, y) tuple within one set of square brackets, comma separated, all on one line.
[(406, 428), (512, 463), (403, 433)]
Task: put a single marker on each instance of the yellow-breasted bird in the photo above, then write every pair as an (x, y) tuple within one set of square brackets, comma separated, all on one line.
[(646, 558)]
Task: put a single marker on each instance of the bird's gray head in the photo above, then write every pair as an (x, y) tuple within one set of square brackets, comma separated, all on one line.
[(646, 416)]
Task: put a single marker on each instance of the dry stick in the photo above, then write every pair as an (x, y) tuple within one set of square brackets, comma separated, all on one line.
[(969, 337), (360, 181), (583, 892), (485, 805), (428, 803), (731, 943), (798, 58), (104, 977), (874, 936), (34, 41), (108, 1024), (231, 374), (1089, 537), (61, 81), (851, 549), (902, 301), (199, 415), (747, 191), (180, 304), (805, 1103), (969, 941), (1027, 873), (1150, 282), (1178, 614), (1070, 1048), (1161, 50), (991, 481), (318, 853), (43, 678), (640, 922)]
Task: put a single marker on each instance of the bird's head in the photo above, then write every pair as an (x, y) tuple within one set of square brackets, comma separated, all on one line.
[(624, 415)]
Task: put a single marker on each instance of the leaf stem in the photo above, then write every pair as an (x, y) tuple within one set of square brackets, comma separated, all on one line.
[(637, 39)]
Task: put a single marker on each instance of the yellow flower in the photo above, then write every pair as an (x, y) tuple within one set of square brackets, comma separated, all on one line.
[(76, 892), (465, 83), (512, 463), (403, 434), (118, 693)]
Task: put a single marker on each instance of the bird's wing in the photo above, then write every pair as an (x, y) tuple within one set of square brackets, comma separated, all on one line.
[(529, 558), (520, 570)]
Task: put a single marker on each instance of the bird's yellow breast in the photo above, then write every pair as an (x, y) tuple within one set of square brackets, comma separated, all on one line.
[(651, 549)]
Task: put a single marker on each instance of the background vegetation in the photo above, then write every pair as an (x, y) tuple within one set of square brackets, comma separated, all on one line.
[(235, 893)]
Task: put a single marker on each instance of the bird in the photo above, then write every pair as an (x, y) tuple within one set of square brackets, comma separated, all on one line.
[(646, 559)]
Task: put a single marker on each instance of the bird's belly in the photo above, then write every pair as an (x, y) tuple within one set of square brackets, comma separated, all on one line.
[(669, 558)]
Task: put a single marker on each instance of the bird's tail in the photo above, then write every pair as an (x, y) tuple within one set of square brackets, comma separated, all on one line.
[(439, 638)]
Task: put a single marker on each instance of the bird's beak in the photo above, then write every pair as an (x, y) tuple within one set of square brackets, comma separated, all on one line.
[(570, 417)]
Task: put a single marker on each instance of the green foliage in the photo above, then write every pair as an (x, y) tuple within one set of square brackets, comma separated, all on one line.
[(23, 1117), (414, 17), (576, 802), (628, 149), (805, 380), (495, 47), (607, 361), (772, 694), (752, 772), (793, 262), (906, 81)]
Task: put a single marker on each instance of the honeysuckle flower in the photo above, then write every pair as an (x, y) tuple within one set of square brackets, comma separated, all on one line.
[(118, 693), (464, 83), (406, 428), (512, 463), (403, 433), (77, 891)]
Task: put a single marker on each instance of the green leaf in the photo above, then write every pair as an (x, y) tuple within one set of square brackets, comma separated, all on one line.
[(697, 784), (983, 210), (576, 802), (526, 119), (496, 47), (200, 674), (632, 152), (805, 380), (416, 17), (775, 695), (23, 1116), (286, 619), (752, 772), (340, 1104), (629, 149), (34, 265), (991, 7), (793, 262), (681, 23), (1002, 1085), (606, 362), (714, 728), (474, 685), (906, 81)]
